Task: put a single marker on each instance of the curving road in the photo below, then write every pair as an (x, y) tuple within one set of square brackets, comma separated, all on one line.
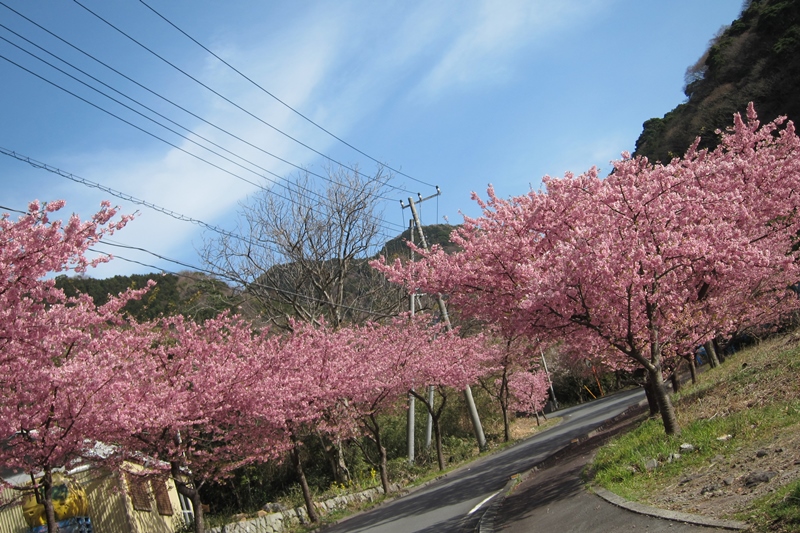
[(456, 502)]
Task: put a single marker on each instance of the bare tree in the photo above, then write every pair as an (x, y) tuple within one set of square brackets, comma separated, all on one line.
[(303, 251)]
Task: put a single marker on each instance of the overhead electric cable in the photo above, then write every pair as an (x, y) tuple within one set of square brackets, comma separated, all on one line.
[(156, 112), (298, 113), (259, 119), (318, 196), (13, 210), (154, 93), (127, 197), (98, 107), (237, 176)]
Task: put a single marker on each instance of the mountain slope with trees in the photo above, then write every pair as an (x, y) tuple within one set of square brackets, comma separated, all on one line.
[(755, 59)]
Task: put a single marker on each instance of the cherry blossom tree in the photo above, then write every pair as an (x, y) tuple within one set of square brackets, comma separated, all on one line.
[(529, 391), (210, 399), (514, 353), (451, 362), (646, 261), (312, 361), (380, 363), (58, 355)]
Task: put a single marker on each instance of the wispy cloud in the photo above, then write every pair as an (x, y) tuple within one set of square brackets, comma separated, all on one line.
[(491, 36)]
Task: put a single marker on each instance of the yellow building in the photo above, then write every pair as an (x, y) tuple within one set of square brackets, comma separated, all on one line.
[(118, 502)]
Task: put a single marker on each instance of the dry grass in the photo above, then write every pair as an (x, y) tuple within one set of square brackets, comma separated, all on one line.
[(742, 418)]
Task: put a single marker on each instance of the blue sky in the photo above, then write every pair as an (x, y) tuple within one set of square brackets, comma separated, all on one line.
[(458, 94)]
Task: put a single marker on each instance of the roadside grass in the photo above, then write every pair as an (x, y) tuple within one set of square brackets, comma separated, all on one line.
[(779, 511), (742, 404)]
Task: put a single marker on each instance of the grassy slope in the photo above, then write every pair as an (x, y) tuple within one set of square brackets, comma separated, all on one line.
[(741, 419)]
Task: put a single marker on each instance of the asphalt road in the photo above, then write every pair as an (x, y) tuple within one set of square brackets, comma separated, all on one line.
[(455, 503)]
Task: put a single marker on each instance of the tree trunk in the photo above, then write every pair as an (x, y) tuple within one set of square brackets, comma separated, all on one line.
[(47, 501), (298, 467), (333, 453), (712, 354), (718, 350), (651, 398), (536, 414), (504, 406), (197, 507), (434, 417), (692, 369), (384, 470), (437, 432), (375, 429), (506, 424), (675, 381), (665, 406), (182, 483), (503, 397), (341, 464)]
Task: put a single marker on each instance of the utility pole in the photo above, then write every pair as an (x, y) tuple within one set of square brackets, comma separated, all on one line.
[(410, 431), (473, 411)]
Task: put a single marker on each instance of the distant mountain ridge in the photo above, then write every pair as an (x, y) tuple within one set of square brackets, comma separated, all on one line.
[(202, 296), (756, 58), (434, 234)]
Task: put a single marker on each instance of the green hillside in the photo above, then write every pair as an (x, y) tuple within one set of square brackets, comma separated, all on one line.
[(190, 293), (434, 234), (756, 58)]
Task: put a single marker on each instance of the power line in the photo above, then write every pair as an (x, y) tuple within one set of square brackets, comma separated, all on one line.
[(98, 107), (170, 120), (150, 133), (127, 197), (301, 143), (271, 244), (278, 99), (154, 93), (13, 210)]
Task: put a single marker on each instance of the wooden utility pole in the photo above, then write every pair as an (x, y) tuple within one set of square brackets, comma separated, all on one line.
[(473, 411)]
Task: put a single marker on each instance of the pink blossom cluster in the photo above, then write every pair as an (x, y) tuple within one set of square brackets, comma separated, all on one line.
[(641, 265), (528, 391), (194, 400)]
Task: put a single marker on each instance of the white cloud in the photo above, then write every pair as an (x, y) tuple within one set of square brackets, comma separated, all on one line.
[(492, 35)]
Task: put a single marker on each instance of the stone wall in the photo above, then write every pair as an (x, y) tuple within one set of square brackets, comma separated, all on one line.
[(274, 522)]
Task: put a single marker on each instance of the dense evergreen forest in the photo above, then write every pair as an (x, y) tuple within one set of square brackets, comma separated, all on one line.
[(756, 58)]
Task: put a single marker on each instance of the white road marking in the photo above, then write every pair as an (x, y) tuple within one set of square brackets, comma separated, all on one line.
[(484, 501)]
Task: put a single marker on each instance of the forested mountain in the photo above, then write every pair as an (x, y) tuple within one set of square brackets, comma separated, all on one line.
[(756, 58), (434, 234), (190, 293), (201, 296)]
